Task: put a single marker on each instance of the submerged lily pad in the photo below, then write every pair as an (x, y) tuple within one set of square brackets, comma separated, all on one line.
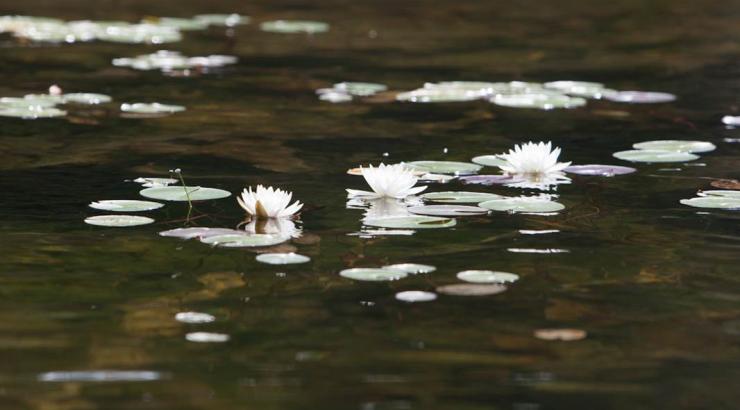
[(122, 205), (645, 155), (294, 26), (490, 160), (447, 210), (640, 97), (716, 202), (487, 276), (412, 268), (410, 222), (244, 240), (373, 274), (721, 192), (676, 145), (413, 296), (118, 220), (153, 108), (282, 258), (469, 289), (523, 204), (543, 101), (599, 170), (444, 167), (178, 193), (459, 197)]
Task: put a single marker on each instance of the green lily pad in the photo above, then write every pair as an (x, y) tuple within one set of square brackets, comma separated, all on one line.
[(25, 103), (86, 98), (543, 101), (153, 108), (438, 95), (373, 274), (470, 289), (487, 276), (227, 20), (412, 268), (244, 240), (645, 155), (31, 113), (444, 167), (282, 258), (720, 192), (447, 210), (523, 204), (122, 205), (676, 145), (579, 88), (460, 197), (118, 220), (360, 89), (413, 296), (490, 160), (182, 23), (410, 222), (716, 202), (177, 193), (294, 26)]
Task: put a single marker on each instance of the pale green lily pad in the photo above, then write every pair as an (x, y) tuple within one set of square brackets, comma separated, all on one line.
[(579, 88), (282, 258), (487, 276), (25, 103), (153, 181), (676, 145), (360, 89), (31, 113), (439, 95), (721, 192), (543, 101), (294, 26), (122, 205), (447, 210), (373, 274), (177, 193), (228, 20), (182, 23), (716, 202), (414, 296), (444, 167), (118, 221), (244, 241), (490, 160), (153, 108), (460, 197), (471, 289), (645, 155), (412, 268), (523, 204), (86, 98), (410, 222)]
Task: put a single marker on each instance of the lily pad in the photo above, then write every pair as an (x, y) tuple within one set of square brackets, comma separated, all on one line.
[(578, 88), (244, 240), (207, 337), (189, 233), (228, 20), (178, 193), (194, 317), (86, 98), (182, 23), (373, 274), (31, 112), (447, 210), (487, 276), (645, 155), (639, 97), (676, 145), (122, 205), (459, 197), (411, 268), (155, 182), (359, 88), (294, 26), (599, 170), (469, 289), (731, 120), (118, 221), (491, 179), (282, 258), (413, 296), (563, 335), (489, 160), (444, 167), (523, 204), (715, 202), (410, 222), (543, 101), (153, 108), (720, 192), (438, 95)]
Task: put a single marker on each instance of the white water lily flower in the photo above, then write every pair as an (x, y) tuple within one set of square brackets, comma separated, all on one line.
[(532, 159), (390, 181), (268, 202)]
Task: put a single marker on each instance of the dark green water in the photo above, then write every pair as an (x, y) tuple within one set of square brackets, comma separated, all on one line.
[(655, 284)]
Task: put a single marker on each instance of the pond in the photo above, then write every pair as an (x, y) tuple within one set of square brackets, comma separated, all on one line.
[(623, 297)]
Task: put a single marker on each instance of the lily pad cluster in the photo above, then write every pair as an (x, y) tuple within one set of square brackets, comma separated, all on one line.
[(35, 106), (665, 151), (169, 61)]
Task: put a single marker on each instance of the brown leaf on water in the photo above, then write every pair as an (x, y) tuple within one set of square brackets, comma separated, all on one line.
[(726, 184)]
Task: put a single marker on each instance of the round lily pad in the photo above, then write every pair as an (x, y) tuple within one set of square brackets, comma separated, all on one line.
[(459, 197), (522, 204), (651, 155), (294, 26), (721, 192), (122, 205), (194, 317), (716, 202), (487, 276), (447, 210), (360, 89), (410, 222), (445, 167), (189, 233), (470, 289), (411, 268), (86, 98), (207, 337), (178, 193), (373, 274), (543, 101), (491, 179), (489, 160), (413, 296), (118, 220), (244, 240), (438, 95), (282, 258), (599, 170), (153, 108), (676, 145), (639, 97)]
